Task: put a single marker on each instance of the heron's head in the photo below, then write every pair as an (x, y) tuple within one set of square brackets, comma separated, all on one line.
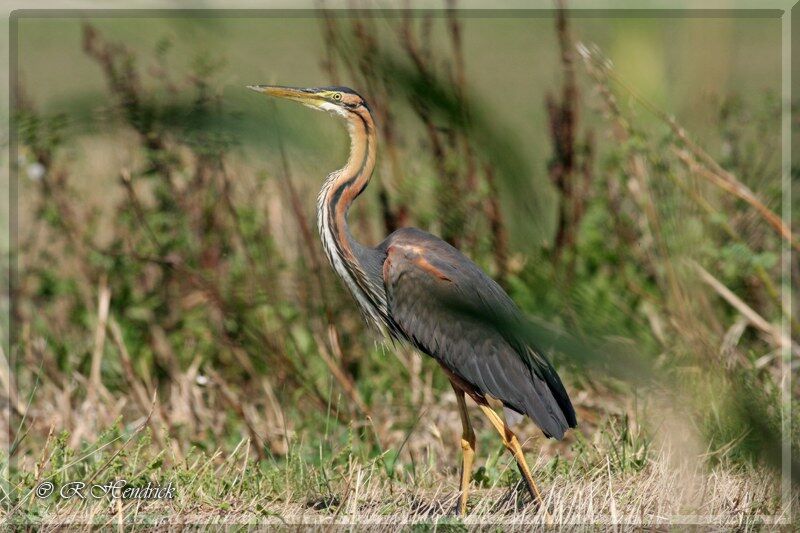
[(335, 100)]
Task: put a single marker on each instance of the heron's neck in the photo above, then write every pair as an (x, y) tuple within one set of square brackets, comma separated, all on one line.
[(358, 266), (344, 186)]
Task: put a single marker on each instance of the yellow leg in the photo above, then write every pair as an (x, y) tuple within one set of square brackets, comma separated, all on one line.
[(467, 449), (512, 444)]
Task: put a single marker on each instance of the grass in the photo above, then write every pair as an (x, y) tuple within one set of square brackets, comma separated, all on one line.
[(617, 477), (175, 321)]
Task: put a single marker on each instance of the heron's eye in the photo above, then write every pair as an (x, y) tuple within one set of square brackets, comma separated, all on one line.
[(337, 96)]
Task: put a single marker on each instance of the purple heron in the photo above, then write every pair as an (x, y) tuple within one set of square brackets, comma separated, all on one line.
[(416, 288)]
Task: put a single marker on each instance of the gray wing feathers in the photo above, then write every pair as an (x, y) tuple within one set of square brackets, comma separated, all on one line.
[(445, 305)]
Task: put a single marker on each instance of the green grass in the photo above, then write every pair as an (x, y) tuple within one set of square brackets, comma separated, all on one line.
[(617, 472), (161, 250)]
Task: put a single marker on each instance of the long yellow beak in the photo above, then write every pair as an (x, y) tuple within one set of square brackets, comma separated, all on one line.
[(288, 93)]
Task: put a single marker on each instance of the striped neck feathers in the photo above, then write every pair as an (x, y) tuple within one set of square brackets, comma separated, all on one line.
[(341, 188)]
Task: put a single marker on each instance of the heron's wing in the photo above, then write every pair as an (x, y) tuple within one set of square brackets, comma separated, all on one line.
[(447, 307)]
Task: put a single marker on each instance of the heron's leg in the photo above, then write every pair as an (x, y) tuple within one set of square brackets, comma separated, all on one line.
[(467, 449), (512, 444)]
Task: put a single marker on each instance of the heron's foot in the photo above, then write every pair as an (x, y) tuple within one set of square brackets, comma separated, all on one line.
[(535, 500), (460, 508), (513, 500)]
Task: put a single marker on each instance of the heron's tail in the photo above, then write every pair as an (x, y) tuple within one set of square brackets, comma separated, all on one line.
[(549, 406)]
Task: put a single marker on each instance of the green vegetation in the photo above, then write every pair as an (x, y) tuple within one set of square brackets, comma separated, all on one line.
[(175, 319)]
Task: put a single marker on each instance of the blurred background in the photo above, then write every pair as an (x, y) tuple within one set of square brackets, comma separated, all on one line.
[(618, 175)]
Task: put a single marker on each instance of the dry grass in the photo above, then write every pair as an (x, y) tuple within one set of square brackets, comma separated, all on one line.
[(611, 471), (669, 490), (200, 340)]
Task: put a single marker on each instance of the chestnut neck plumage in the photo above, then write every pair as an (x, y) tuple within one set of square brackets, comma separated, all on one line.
[(353, 262)]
